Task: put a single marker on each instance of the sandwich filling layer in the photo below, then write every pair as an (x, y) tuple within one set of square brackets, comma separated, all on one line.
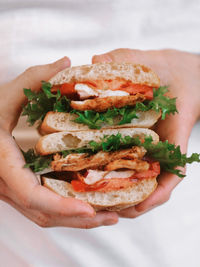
[(115, 161), (95, 106), (100, 95), (105, 171)]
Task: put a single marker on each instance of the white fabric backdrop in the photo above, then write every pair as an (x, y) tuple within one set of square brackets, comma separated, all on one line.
[(37, 32)]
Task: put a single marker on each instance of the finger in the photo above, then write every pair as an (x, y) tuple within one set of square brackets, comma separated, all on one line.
[(13, 94), (162, 193), (117, 55), (49, 220), (101, 219), (25, 187), (35, 216), (131, 213), (167, 182), (150, 58)]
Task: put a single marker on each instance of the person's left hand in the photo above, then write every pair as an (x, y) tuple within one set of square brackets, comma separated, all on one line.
[(179, 70), (19, 186)]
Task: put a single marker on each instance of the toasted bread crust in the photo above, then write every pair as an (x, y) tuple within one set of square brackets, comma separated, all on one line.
[(136, 73), (112, 201)]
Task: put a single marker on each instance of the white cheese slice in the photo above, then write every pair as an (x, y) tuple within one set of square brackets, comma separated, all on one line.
[(85, 91), (105, 93), (119, 174), (96, 175)]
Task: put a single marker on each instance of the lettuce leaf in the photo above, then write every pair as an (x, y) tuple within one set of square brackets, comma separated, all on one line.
[(36, 162), (169, 155), (39, 103)]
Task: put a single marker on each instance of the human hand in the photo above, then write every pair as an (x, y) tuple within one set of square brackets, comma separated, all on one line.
[(181, 71), (19, 186)]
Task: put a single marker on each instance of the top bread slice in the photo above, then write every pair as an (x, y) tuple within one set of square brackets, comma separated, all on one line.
[(56, 142), (136, 73)]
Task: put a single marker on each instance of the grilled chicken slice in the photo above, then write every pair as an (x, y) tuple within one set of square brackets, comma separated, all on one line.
[(77, 162), (102, 104), (131, 164)]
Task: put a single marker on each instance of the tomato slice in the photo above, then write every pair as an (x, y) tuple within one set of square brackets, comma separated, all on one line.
[(67, 89), (139, 88), (104, 185), (117, 84), (80, 186)]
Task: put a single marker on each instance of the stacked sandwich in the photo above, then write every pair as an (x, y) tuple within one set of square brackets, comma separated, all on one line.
[(96, 144)]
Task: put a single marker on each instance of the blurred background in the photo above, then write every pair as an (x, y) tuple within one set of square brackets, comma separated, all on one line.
[(39, 32)]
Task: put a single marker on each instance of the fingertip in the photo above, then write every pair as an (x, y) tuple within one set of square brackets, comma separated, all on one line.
[(88, 211), (101, 58), (81, 208), (141, 207), (111, 219), (62, 63)]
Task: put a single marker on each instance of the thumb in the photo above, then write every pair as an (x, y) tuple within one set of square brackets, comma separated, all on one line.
[(33, 76), (13, 94)]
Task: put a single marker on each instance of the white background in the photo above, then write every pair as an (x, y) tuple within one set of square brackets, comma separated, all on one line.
[(37, 32)]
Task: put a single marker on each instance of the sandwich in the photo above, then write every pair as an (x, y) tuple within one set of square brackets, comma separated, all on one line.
[(111, 169), (99, 96), (95, 145)]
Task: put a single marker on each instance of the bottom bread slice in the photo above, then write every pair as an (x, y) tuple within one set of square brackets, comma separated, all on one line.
[(113, 200)]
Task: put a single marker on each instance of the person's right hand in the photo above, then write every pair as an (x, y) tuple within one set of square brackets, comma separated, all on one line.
[(19, 186)]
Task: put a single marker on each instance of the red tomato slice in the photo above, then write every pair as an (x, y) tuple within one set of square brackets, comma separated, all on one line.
[(80, 186), (117, 84), (67, 89), (104, 185), (138, 88)]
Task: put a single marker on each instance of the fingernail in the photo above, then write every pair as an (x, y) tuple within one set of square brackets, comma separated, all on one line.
[(62, 63), (88, 214), (102, 58)]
